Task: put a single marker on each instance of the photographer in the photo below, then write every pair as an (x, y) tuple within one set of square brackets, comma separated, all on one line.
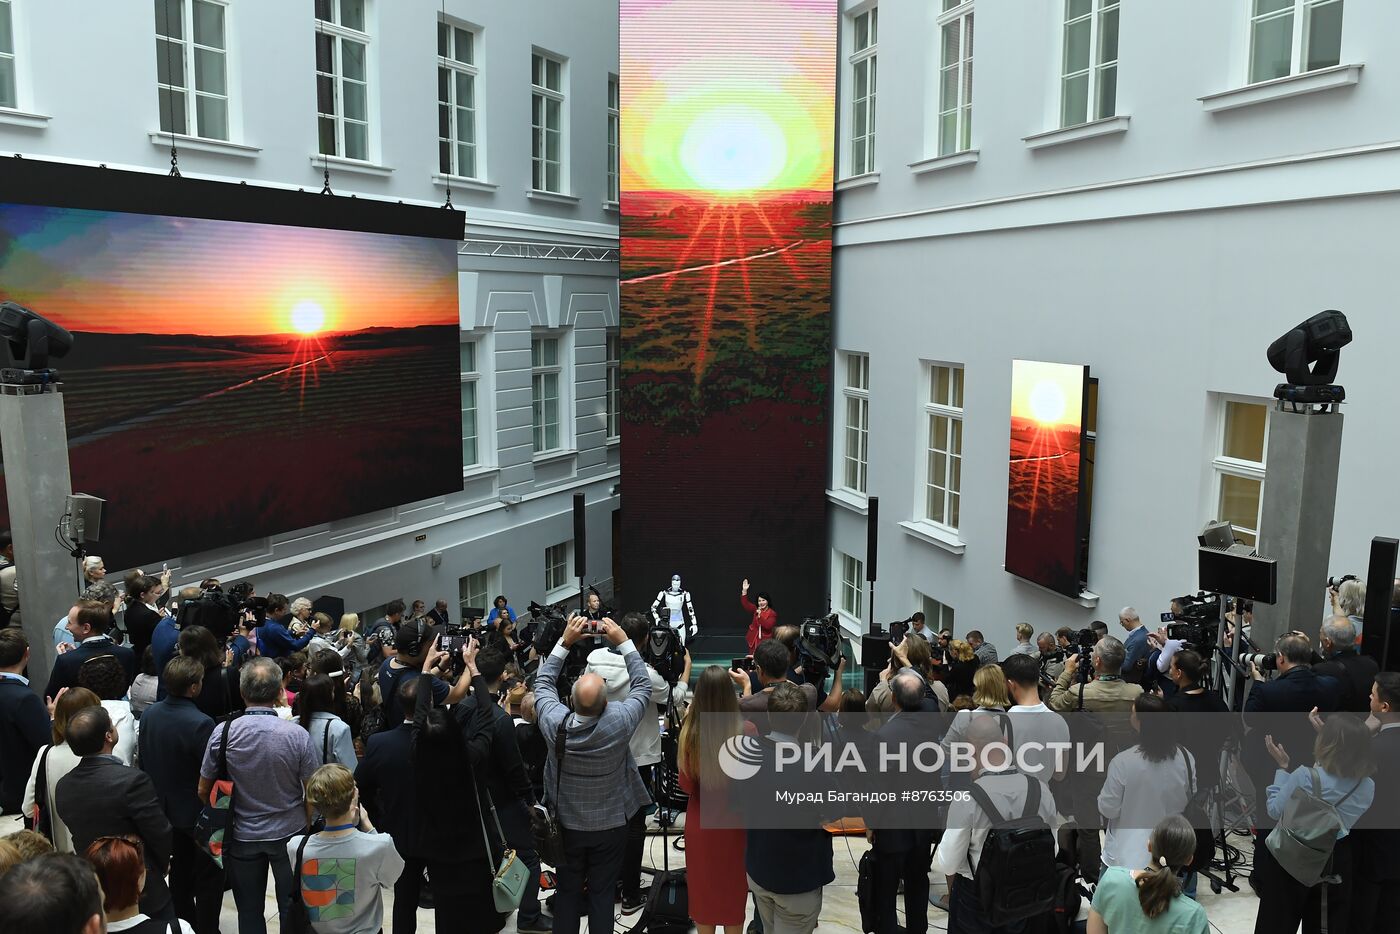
[(409, 643), (911, 656), (771, 663), (1052, 658), (276, 638), (645, 743), (1107, 691), (1340, 658), (1347, 597)]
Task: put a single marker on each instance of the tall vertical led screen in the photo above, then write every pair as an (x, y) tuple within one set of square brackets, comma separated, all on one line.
[(231, 380), (1045, 518), (728, 111)]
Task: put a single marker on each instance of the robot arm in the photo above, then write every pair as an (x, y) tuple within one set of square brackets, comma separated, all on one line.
[(690, 612), (656, 607)]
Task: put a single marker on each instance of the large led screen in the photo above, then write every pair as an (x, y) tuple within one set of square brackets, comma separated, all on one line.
[(727, 110), (1045, 520), (231, 380)]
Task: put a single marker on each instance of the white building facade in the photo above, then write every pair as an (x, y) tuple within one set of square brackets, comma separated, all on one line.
[(1158, 192), (509, 107)]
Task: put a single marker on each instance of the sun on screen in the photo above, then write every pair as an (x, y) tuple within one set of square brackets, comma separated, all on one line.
[(733, 148), (308, 317), (1047, 403)]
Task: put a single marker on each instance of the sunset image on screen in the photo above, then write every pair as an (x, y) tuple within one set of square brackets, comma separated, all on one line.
[(1043, 495), (727, 128), (229, 379)]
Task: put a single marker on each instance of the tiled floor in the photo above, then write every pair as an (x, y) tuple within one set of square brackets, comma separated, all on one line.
[(1229, 914)]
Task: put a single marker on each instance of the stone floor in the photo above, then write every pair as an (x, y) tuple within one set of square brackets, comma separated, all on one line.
[(1228, 913)]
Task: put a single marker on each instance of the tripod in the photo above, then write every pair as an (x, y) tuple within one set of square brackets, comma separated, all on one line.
[(668, 885)]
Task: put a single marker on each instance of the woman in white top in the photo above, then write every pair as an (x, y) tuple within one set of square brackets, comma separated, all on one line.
[(57, 761), (1145, 783), (120, 865), (330, 735), (990, 694), (104, 676)]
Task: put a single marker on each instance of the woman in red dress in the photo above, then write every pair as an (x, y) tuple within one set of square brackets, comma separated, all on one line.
[(714, 858), (764, 617)]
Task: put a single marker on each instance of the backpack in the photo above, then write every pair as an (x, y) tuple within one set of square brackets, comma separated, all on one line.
[(1195, 812), (1303, 841), (1016, 878), (1069, 896)]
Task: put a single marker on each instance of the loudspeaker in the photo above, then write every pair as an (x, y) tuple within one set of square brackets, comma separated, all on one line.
[(1381, 638), (334, 607), (872, 536), (580, 538), (1237, 573), (874, 652), (84, 517)]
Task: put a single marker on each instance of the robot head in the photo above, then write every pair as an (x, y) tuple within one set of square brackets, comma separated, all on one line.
[(675, 583)]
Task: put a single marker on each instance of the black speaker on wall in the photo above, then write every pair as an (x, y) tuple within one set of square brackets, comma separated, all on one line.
[(1381, 629), (334, 607), (580, 538), (872, 535)]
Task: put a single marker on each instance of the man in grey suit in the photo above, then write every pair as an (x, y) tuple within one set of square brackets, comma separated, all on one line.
[(599, 788)]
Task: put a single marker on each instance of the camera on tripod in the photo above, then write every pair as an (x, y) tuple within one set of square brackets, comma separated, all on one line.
[(664, 652), (1197, 624), (818, 647)]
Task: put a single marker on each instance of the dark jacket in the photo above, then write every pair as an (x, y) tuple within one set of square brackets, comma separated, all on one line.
[(24, 729), (407, 795), (505, 771), (101, 797), (1355, 674), (173, 737), (65, 666), (787, 862), (219, 696), (1377, 841), (1297, 690), (141, 622), (910, 730)]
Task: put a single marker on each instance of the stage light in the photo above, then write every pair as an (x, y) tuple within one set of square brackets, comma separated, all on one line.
[(32, 340), (1308, 356)]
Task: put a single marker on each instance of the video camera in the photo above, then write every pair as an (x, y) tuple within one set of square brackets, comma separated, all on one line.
[(664, 652), (898, 630), (818, 647), (1198, 623), (549, 623)]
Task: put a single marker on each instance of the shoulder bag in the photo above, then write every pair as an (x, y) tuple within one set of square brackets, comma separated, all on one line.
[(544, 819), (214, 827), (512, 875), (297, 918), (43, 816)]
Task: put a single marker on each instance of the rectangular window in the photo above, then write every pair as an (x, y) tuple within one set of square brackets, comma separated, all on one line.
[(614, 126), (852, 586), (955, 78), (547, 123), (191, 67), (1240, 465), (471, 423), (9, 87), (937, 616), (342, 78), (544, 394), (614, 365), (475, 590), (943, 427), (855, 445), (457, 101), (556, 568), (866, 27), (1089, 72), (1289, 37)]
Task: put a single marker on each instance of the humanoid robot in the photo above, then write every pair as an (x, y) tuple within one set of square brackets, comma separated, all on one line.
[(673, 607)]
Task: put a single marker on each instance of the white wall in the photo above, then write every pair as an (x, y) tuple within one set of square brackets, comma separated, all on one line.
[(88, 94), (1167, 258)]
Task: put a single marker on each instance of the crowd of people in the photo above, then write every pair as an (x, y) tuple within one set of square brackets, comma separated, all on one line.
[(204, 741)]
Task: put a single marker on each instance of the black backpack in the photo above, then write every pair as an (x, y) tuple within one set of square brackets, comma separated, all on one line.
[(1016, 878)]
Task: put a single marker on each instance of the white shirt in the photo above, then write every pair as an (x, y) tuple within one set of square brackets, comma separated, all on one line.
[(1140, 793), (125, 723), (116, 927), (61, 761), (1038, 724), (968, 826)]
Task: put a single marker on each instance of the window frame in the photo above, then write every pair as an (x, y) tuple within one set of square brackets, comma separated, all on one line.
[(866, 56), (190, 91), (956, 414), (845, 563), (614, 186), (339, 35), (1093, 103), (612, 391), (937, 615), (12, 56), (1223, 466), (539, 132), (473, 72), (493, 585), (860, 395), (471, 378), (960, 15), (553, 594), (1301, 11), (562, 369)]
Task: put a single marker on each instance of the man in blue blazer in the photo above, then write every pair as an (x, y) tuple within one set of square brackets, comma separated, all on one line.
[(173, 737), (24, 724), (89, 622)]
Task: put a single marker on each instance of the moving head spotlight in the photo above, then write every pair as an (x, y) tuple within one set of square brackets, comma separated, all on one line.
[(1308, 356), (31, 340)]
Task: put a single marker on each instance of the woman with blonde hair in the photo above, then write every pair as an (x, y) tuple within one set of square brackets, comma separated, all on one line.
[(56, 761), (714, 858), (358, 655), (962, 663), (989, 696)]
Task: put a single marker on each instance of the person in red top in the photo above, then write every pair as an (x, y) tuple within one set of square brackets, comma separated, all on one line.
[(764, 617)]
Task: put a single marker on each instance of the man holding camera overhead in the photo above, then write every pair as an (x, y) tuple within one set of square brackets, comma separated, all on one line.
[(645, 744)]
